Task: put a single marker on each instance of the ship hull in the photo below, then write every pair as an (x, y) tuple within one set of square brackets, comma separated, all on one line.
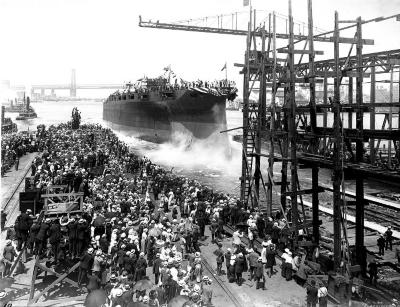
[(196, 111)]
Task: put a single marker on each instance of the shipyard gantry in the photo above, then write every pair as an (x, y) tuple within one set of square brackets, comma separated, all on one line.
[(326, 129)]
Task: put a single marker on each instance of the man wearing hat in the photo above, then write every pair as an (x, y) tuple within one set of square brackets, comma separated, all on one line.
[(55, 238), (239, 268), (42, 235), (252, 258), (213, 229), (22, 225), (9, 255), (156, 268), (259, 276), (287, 264), (141, 266), (207, 291), (81, 235), (220, 258), (389, 238), (86, 262), (381, 245), (373, 272)]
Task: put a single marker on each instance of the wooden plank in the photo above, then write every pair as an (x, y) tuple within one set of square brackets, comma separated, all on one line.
[(306, 191), (34, 274), (354, 74), (347, 21), (63, 195), (301, 51), (45, 268), (54, 283), (328, 74), (348, 40)]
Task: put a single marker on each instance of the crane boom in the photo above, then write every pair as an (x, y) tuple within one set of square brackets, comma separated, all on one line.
[(171, 26)]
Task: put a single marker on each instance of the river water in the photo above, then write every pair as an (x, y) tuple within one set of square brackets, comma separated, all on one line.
[(211, 161)]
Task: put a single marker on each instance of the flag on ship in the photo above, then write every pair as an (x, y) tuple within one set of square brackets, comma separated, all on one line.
[(223, 68)]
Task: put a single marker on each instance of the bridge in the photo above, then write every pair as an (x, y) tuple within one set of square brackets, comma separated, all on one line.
[(72, 87)]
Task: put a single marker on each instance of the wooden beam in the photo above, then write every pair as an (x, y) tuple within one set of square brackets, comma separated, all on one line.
[(348, 40), (34, 274), (63, 195), (301, 51), (54, 283), (306, 191), (347, 21), (354, 74), (328, 74), (45, 268)]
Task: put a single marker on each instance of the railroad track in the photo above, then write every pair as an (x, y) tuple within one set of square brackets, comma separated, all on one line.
[(219, 281)]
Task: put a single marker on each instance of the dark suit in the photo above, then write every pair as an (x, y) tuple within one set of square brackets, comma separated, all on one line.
[(32, 237), (72, 226), (54, 239), (156, 269), (312, 296), (141, 266), (239, 268), (259, 275), (42, 236), (85, 264), (81, 237), (22, 229)]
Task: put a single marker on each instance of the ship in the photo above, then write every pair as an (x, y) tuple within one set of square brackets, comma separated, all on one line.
[(7, 125), (154, 108), (27, 113)]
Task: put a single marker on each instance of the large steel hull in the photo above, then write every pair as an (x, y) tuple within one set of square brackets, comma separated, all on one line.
[(197, 111)]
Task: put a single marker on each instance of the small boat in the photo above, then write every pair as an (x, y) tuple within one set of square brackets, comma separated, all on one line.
[(27, 113)]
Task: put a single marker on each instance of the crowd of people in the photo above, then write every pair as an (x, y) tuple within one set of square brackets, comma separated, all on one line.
[(15, 145), (138, 220)]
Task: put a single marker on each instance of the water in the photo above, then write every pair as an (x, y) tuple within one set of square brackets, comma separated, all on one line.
[(215, 162), (212, 161)]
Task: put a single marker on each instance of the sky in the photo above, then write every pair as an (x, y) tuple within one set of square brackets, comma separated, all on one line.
[(42, 40)]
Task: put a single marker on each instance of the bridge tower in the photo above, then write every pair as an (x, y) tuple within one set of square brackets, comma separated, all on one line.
[(73, 84)]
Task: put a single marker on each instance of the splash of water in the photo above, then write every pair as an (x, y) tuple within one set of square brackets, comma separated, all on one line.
[(217, 152)]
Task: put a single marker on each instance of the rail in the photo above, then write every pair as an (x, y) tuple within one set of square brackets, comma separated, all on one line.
[(229, 293)]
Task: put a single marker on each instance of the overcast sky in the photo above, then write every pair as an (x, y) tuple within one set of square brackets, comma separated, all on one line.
[(42, 40)]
